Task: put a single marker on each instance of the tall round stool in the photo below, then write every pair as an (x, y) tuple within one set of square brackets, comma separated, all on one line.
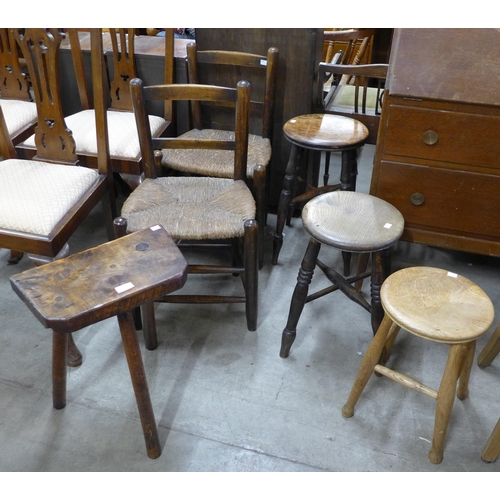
[(317, 132), (352, 222), (439, 306)]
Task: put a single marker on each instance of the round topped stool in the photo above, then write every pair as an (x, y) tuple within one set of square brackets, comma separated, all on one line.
[(352, 222), (317, 132), (439, 306)]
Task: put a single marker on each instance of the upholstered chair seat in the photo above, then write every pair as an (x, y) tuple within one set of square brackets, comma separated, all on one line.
[(17, 115)]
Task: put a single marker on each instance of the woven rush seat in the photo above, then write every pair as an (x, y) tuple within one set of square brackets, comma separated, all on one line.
[(122, 133), (180, 203), (219, 163), (17, 114), (35, 196)]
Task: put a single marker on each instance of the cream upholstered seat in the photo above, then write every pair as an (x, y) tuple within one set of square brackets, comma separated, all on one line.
[(17, 115), (122, 135), (35, 195), (217, 163)]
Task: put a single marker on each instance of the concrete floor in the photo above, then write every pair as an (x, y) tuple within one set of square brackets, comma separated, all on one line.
[(223, 398)]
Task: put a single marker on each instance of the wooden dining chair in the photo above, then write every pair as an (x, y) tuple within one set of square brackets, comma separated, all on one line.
[(226, 68), (16, 101), (44, 200), (195, 210), (123, 141)]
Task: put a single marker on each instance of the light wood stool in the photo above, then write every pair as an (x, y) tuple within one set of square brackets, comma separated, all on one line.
[(109, 280), (317, 132), (490, 351), (351, 222), (438, 306)]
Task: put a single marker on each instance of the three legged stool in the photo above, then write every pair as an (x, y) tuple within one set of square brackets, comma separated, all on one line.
[(355, 223), (435, 305), (109, 280), (317, 132), (490, 351)]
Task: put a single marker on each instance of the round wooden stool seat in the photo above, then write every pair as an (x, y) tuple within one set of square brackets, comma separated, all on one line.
[(437, 305), (352, 221), (325, 132)]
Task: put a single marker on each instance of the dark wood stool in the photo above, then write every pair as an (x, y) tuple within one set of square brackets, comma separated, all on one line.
[(109, 280), (490, 351), (355, 223), (317, 132), (438, 306)]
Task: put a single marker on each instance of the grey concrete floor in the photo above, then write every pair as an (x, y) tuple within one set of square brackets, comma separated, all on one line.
[(223, 398)]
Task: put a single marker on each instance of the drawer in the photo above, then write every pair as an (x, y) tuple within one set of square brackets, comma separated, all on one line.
[(453, 200), (444, 136)]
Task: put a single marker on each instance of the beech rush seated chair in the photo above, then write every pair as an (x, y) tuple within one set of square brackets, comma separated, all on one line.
[(198, 210), (226, 68), (438, 306), (490, 351), (350, 222), (44, 200), (123, 141)]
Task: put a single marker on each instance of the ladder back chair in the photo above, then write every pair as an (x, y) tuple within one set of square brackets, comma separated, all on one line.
[(123, 141), (226, 68), (199, 210), (44, 200)]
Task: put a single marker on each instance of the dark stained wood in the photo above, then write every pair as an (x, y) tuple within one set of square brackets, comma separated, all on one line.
[(437, 153)]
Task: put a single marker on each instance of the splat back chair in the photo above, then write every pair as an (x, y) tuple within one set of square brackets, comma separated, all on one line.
[(123, 141), (226, 68), (44, 200), (17, 105), (198, 210)]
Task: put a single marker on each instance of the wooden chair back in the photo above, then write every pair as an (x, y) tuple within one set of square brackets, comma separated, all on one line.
[(13, 81), (238, 98), (226, 68), (353, 44)]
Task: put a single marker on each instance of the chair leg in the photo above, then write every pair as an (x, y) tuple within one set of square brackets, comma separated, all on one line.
[(491, 449), (259, 180), (368, 363), (140, 384), (445, 399), (490, 350), (59, 371), (284, 202), (149, 326), (299, 296), (251, 256)]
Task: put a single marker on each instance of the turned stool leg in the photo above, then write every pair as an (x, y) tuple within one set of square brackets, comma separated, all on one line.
[(463, 383), (284, 202), (491, 449), (299, 296), (381, 268), (301, 171), (370, 359), (59, 371), (140, 384), (445, 399), (490, 350), (147, 311)]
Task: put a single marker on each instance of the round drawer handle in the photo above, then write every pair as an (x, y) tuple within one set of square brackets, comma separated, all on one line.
[(430, 137), (417, 199)]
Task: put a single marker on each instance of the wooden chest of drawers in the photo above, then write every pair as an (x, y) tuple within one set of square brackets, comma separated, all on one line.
[(438, 149)]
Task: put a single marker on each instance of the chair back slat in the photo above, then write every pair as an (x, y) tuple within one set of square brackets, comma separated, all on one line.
[(13, 82)]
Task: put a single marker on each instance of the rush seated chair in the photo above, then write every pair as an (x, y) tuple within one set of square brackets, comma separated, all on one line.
[(199, 210), (44, 200)]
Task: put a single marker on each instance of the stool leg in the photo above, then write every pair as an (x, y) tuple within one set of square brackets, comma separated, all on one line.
[(301, 170), (348, 174), (284, 202), (74, 357), (140, 384), (490, 350), (463, 384), (445, 399), (381, 268), (59, 371), (370, 359), (326, 175), (491, 449), (299, 296), (147, 311)]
